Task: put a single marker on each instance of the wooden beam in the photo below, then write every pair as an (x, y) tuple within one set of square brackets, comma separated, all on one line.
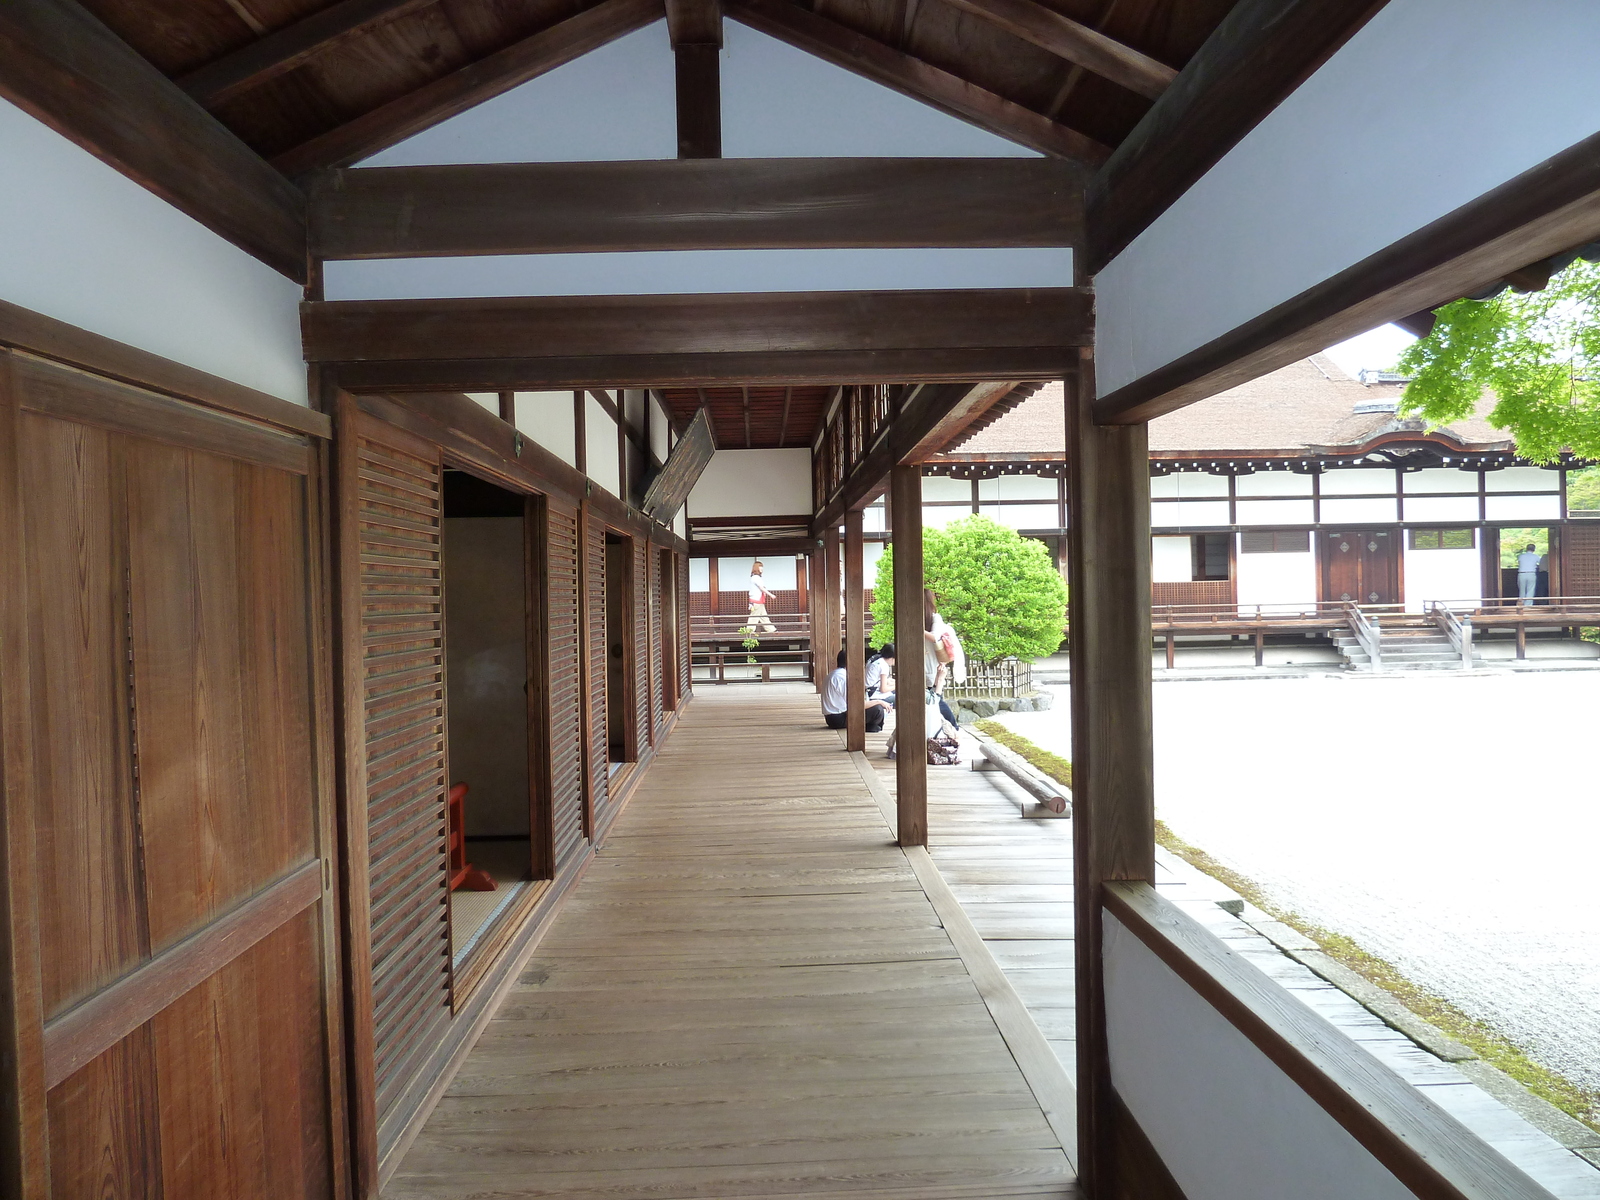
[(1262, 51), (470, 85), (973, 405), (827, 637), (1113, 806), (701, 204), (1075, 42), (1547, 209), (910, 711), (61, 65), (787, 336), (698, 83), (913, 77), (285, 49), (855, 635), (694, 22)]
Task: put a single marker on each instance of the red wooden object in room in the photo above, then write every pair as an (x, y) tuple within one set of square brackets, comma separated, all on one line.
[(462, 873)]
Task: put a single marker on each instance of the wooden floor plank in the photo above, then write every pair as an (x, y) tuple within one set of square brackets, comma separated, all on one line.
[(751, 994)]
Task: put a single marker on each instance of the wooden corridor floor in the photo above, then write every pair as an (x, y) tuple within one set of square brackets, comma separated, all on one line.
[(749, 995)]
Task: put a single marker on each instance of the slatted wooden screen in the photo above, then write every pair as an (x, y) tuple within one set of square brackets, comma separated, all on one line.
[(564, 631), (398, 512), (685, 656), (641, 644), (658, 699), (1581, 547), (595, 601)]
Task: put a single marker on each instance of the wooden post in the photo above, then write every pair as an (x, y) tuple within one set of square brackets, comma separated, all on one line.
[(855, 635), (1113, 808), (911, 764), (828, 636)]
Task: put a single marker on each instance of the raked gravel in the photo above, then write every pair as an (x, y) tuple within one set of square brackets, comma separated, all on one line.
[(1449, 823)]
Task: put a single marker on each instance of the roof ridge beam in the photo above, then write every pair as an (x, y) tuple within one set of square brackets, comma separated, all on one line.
[(1075, 42), (913, 77)]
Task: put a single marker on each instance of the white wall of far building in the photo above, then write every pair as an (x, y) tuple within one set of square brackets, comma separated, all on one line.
[(1171, 559), (81, 242), (1446, 575), (1285, 581), (753, 483), (1368, 150), (1222, 1116)]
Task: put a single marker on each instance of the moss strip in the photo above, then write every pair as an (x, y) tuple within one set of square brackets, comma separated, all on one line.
[(1484, 1040)]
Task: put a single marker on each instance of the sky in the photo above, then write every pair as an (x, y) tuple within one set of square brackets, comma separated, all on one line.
[(1376, 349)]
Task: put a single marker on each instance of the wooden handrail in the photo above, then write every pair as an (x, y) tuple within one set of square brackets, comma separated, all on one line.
[(1424, 1147), (1366, 630), (1457, 629)]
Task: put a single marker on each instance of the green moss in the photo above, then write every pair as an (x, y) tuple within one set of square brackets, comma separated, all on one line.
[(1484, 1041), (1052, 765)]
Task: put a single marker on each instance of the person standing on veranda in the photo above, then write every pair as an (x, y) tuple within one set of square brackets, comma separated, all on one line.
[(1528, 573), (760, 622)]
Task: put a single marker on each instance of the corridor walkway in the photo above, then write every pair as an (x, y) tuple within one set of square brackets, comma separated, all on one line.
[(749, 995)]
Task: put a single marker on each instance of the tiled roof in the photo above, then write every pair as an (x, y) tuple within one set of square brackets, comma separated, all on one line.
[(1308, 404)]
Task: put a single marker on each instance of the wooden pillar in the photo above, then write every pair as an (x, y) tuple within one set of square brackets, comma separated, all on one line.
[(828, 634), (911, 764), (1113, 806), (855, 634)]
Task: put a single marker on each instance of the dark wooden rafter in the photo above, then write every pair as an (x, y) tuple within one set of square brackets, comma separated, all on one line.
[(470, 85), (285, 49), (1546, 210), (913, 77), (695, 28), (745, 400), (60, 64), (1075, 42), (722, 204), (525, 342), (783, 430), (1260, 53)]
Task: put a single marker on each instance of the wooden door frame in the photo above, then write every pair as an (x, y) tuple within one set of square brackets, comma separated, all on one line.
[(668, 567)]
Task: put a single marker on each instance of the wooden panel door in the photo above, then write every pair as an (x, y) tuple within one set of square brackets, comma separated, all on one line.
[(165, 769), (1362, 566), (391, 513), (598, 759), (563, 633)]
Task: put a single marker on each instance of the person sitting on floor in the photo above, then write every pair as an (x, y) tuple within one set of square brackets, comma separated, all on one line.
[(836, 704)]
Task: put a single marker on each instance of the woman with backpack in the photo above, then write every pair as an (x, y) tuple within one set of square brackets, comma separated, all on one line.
[(942, 656)]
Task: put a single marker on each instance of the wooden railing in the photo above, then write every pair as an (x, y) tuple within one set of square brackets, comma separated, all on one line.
[(1366, 630), (1457, 629), (1423, 1147)]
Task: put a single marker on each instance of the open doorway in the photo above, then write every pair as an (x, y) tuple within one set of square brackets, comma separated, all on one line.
[(491, 811), (620, 744), (1514, 556)]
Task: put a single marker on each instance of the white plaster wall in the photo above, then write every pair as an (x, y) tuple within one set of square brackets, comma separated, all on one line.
[(1023, 516), (1274, 512), (1442, 575), (1273, 483), (600, 446), (1372, 510), (684, 272), (1440, 479), (547, 418), (488, 400), (84, 244), (753, 483), (1225, 1120), (1523, 508), (779, 102), (659, 429), (699, 574), (777, 572), (871, 553), (1359, 481), (1189, 513), (1407, 122), (1171, 560), (1439, 508), (1285, 582), (1521, 479)]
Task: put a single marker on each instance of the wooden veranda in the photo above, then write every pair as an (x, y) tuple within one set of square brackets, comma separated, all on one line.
[(754, 992)]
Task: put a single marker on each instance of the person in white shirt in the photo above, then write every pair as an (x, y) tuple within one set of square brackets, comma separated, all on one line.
[(836, 702), (759, 595), (1528, 573)]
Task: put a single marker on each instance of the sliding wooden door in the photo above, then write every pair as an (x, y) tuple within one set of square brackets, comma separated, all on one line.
[(172, 984), (563, 635), (598, 792)]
